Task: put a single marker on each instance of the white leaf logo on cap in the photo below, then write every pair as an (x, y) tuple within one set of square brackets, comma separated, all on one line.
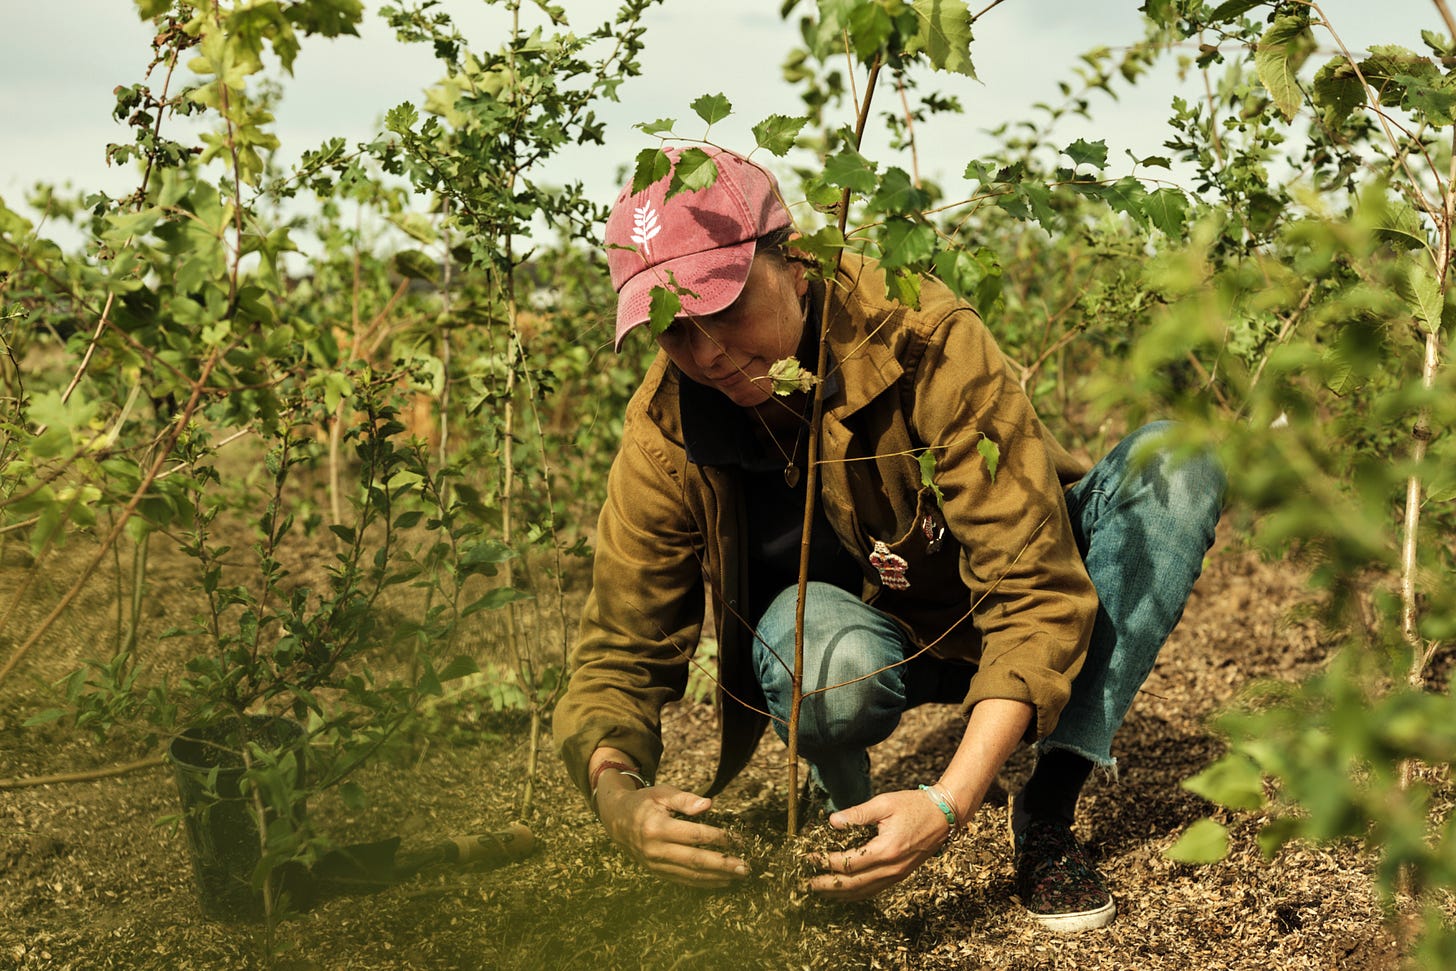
[(644, 227)]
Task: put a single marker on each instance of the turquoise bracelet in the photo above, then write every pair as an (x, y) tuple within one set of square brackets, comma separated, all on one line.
[(943, 804)]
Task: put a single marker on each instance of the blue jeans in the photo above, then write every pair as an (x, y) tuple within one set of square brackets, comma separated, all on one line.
[(1143, 524)]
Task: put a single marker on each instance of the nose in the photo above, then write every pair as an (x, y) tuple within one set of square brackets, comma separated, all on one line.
[(703, 348)]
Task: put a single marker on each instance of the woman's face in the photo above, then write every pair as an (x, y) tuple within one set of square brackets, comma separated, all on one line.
[(733, 349)]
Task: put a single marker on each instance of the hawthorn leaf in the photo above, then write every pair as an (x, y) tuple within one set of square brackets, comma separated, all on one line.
[(1030, 200), (824, 244), (462, 666)]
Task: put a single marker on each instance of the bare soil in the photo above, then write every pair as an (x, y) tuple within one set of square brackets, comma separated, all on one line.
[(89, 880)]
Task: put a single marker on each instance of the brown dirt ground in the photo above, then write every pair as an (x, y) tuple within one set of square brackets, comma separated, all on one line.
[(88, 879)]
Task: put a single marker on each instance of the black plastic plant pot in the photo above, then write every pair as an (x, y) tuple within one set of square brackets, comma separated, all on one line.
[(221, 824)]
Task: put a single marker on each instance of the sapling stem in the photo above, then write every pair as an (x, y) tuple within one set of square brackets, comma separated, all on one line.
[(811, 488)]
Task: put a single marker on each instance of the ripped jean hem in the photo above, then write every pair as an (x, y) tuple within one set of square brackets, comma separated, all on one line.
[(1106, 765)]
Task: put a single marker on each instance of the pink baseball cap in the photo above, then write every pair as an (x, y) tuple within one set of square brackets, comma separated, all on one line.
[(705, 238)]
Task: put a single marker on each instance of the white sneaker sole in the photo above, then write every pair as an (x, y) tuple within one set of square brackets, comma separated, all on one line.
[(1086, 920)]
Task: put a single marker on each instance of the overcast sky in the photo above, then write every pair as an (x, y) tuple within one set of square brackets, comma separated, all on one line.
[(60, 59)]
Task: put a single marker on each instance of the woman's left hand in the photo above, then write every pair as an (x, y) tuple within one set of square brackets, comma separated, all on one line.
[(911, 829)]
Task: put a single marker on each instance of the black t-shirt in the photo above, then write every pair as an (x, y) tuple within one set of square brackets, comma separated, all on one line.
[(716, 432)]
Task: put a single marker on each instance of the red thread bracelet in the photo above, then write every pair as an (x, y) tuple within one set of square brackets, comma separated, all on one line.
[(622, 767)]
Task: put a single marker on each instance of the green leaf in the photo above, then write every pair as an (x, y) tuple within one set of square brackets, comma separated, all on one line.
[(661, 126), (1234, 781), (903, 286), (1233, 8), (495, 600), (991, 453), (1431, 95), (1427, 301), (664, 309), (1126, 195), (945, 35), (327, 18), (1083, 152), (461, 667), (776, 134), (849, 169), (1030, 200), (713, 108), (652, 165), (1167, 209), (401, 118), (416, 265), (695, 170), (787, 376), (1206, 841), (897, 193), (927, 474), (352, 795), (824, 244), (1337, 92), (870, 27), (904, 243), (1282, 50)]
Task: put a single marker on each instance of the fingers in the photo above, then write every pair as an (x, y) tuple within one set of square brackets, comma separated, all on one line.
[(905, 837), (653, 829), (860, 872)]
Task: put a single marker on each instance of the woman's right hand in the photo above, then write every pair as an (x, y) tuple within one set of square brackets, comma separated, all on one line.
[(649, 823)]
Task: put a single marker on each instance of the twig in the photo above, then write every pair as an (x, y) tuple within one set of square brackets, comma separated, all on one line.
[(86, 775)]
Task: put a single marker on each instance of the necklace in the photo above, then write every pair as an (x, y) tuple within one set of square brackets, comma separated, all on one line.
[(791, 467)]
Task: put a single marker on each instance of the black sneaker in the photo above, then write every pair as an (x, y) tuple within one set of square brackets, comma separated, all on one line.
[(1056, 881)]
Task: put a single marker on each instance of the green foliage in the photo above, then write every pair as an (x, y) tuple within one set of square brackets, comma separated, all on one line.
[(412, 368)]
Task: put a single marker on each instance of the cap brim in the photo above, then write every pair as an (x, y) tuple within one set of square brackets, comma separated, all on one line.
[(707, 282)]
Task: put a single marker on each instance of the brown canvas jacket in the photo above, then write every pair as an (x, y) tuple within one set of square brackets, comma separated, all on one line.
[(1004, 588)]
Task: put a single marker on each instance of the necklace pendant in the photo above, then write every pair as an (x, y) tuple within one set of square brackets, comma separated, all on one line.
[(791, 475)]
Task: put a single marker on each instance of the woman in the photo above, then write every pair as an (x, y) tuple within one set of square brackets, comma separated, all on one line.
[(1035, 592)]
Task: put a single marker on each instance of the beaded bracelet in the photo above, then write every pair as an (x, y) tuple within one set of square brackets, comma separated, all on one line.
[(944, 804)]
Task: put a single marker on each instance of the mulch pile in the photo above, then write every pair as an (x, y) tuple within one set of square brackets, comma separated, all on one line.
[(89, 880)]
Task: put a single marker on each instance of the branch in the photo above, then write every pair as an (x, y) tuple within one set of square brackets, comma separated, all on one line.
[(88, 775)]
